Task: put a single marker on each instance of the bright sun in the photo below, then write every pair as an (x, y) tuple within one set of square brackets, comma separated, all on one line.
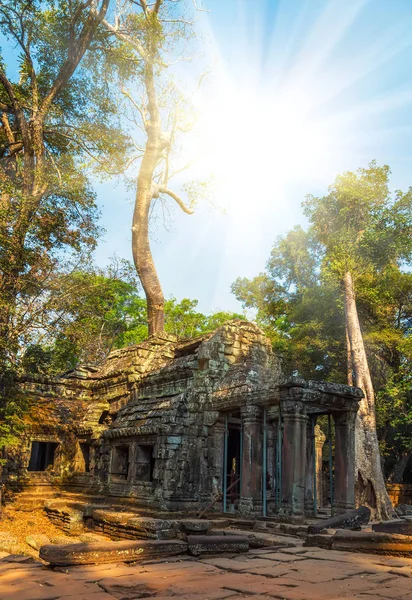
[(254, 143)]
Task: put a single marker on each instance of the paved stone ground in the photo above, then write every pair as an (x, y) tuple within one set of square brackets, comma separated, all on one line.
[(290, 573)]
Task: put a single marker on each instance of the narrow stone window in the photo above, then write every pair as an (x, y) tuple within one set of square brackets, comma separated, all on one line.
[(144, 463), (85, 448), (120, 463), (42, 455)]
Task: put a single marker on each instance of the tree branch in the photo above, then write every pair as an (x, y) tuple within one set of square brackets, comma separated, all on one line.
[(76, 53), (126, 38), (161, 189)]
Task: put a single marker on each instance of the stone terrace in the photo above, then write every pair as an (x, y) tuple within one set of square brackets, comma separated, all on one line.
[(288, 573)]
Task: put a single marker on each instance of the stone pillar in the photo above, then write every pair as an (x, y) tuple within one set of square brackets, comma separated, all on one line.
[(251, 489), (320, 439), (293, 456), (310, 470), (344, 496), (271, 434), (218, 453)]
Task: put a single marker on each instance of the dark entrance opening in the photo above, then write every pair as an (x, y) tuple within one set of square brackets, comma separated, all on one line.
[(144, 463), (42, 455), (233, 465), (85, 448), (120, 463)]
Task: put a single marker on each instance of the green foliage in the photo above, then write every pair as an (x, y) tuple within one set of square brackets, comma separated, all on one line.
[(361, 227), (58, 114), (94, 311)]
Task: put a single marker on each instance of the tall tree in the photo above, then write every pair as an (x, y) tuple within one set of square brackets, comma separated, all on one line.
[(46, 202), (52, 104), (152, 31), (298, 311), (363, 231)]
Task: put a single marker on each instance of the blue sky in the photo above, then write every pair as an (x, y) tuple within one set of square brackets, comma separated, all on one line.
[(346, 66), (299, 91)]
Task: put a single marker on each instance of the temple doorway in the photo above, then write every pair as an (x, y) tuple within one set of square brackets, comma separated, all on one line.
[(42, 455), (233, 461)]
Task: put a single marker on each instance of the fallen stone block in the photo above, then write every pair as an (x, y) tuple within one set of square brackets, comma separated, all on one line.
[(349, 520), (393, 544), (212, 544), (147, 527), (37, 541), (195, 526), (98, 553), (402, 527), (68, 517), (319, 539), (291, 529)]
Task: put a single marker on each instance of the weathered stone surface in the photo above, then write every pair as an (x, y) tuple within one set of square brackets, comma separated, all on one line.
[(69, 518), (19, 558), (375, 543), (147, 428), (121, 588), (402, 527), (131, 526), (91, 537), (404, 509), (349, 520), (37, 541), (62, 540), (97, 553), (196, 526), (319, 539), (307, 575), (211, 544)]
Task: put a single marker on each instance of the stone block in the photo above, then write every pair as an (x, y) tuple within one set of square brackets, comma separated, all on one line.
[(375, 543), (349, 520), (195, 526), (402, 527), (212, 544), (107, 552), (319, 539), (37, 541)]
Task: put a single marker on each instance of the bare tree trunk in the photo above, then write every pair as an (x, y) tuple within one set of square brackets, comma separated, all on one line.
[(349, 365), (396, 475), (370, 482), (143, 259), (146, 191)]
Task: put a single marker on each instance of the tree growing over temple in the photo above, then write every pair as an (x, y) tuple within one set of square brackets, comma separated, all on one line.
[(154, 35), (330, 286), (364, 233)]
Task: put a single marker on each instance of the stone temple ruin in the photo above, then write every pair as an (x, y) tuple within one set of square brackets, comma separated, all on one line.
[(209, 423)]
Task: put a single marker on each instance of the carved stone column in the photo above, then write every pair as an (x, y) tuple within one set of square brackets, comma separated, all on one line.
[(320, 439), (251, 490), (344, 461), (293, 456), (217, 453), (310, 470), (271, 434)]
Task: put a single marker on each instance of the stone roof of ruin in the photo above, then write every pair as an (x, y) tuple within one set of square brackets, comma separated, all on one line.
[(148, 387)]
